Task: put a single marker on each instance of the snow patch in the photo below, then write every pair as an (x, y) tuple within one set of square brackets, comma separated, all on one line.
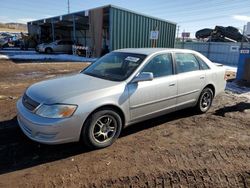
[(62, 57), (32, 55), (16, 51), (230, 68), (227, 67), (238, 90), (3, 56)]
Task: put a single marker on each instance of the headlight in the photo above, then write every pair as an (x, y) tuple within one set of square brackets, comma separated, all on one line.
[(56, 110)]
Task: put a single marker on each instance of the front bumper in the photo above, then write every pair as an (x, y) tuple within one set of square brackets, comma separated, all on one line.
[(48, 130), (40, 49)]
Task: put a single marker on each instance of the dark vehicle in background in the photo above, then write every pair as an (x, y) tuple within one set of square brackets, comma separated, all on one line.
[(203, 33), (3, 43), (9, 39), (222, 34), (229, 32), (58, 46)]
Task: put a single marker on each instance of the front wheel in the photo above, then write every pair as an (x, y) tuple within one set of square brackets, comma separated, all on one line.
[(101, 129), (205, 100)]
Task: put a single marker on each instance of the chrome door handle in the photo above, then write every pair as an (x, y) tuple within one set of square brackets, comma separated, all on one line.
[(172, 84), (202, 77)]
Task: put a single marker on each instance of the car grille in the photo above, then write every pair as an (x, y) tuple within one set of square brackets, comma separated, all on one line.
[(29, 103)]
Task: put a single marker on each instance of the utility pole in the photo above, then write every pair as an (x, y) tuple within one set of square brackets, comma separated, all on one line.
[(243, 34), (177, 35), (68, 7), (183, 39)]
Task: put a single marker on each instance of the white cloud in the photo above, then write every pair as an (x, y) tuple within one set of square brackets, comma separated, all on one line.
[(24, 20), (4, 19), (242, 18), (47, 16)]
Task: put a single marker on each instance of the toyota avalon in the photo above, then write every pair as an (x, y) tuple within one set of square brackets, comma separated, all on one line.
[(120, 89)]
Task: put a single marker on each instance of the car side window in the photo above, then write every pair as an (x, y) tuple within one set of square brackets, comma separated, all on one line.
[(186, 62), (68, 42), (203, 65), (64, 42), (160, 65)]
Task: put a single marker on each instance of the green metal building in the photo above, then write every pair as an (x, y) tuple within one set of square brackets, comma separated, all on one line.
[(106, 27)]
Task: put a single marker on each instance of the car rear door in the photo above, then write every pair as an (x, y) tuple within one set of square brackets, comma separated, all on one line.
[(191, 79), (59, 46), (67, 46), (148, 98)]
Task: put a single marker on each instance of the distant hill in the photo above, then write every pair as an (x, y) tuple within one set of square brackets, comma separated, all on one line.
[(13, 27)]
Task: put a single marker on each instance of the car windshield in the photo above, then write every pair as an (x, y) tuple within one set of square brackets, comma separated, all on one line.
[(115, 66)]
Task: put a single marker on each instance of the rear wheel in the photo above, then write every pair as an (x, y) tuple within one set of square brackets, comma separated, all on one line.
[(205, 100), (102, 128)]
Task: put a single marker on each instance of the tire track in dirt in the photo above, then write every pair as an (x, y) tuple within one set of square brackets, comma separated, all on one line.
[(182, 178), (193, 170), (221, 156)]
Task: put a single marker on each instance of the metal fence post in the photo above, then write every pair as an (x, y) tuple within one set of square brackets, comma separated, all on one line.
[(208, 50), (74, 29), (53, 30)]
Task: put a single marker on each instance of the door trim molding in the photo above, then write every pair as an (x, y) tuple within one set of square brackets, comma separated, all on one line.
[(161, 100)]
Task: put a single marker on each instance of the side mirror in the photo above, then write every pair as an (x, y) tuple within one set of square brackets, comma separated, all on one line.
[(143, 76)]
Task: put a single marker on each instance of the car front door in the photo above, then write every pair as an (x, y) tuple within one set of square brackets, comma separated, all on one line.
[(148, 98), (191, 79)]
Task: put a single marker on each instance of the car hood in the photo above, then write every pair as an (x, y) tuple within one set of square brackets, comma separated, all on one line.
[(56, 90)]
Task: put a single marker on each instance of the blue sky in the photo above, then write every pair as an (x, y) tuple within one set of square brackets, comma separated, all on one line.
[(190, 15)]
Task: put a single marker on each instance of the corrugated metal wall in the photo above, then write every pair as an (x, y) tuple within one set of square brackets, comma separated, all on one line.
[(33, 29), (219, 52), (132, 30)]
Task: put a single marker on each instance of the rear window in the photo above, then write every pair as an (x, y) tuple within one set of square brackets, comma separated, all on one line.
[(186, 62), (203, 65)]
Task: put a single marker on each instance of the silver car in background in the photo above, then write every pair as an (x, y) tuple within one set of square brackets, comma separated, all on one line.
[(58, 46), (120, 89)]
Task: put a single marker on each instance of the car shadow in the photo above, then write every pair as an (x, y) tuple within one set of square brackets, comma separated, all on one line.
[(17, 152), (157, 121), (239, 107)]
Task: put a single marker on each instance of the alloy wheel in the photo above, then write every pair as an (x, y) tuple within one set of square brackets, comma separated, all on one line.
[(104, 129), (206, 100)]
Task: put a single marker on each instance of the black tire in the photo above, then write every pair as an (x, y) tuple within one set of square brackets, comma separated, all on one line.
[(205, 101), (92, 133), (48, 50)]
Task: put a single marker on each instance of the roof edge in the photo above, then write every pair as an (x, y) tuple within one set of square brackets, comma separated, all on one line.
[(107, 6), (142, 14)]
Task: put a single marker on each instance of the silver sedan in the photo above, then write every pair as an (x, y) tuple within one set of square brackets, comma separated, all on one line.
[(120, 89), (59, 46)]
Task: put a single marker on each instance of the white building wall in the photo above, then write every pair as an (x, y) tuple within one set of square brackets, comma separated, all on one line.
[(248, 29)]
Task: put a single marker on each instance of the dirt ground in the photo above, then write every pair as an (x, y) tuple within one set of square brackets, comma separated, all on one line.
[(177, 150)]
